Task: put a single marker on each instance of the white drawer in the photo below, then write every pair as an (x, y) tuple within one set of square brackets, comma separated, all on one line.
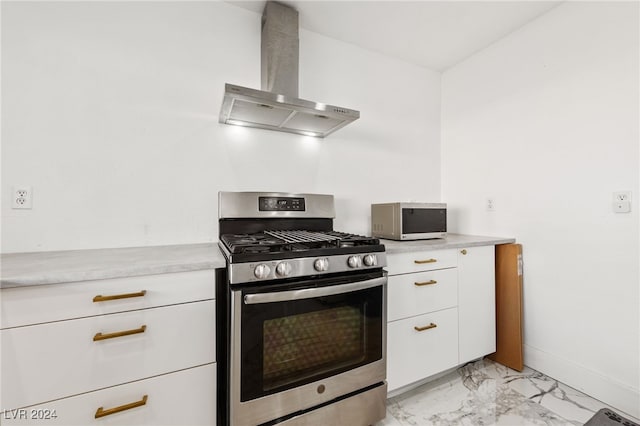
[(182, 398), (55, 302), (414, 355), (414, 294), (60, 359), (417, 261)]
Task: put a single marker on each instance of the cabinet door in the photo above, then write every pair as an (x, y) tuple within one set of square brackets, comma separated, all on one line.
[(421, 346), (409, 295), (185, 397), (418, 261), (64, 358), (476, 302), (46, 303)]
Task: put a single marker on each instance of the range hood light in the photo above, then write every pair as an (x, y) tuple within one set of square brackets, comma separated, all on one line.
[(237, 123), (277, 106)]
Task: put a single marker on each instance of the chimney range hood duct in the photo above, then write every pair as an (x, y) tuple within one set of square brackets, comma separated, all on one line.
[(277, 106)]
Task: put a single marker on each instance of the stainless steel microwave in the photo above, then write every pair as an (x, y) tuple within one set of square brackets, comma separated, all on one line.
[(409, 221)]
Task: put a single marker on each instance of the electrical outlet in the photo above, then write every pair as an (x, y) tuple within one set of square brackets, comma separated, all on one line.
[(21, 197), (619, 196), (621, 207), (621, 202), (491, 205)]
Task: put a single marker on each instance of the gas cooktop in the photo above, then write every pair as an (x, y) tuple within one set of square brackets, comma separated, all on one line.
[(288, 244), (298, 240)]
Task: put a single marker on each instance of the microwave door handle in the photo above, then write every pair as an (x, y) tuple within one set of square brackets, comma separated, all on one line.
[(308, 293)]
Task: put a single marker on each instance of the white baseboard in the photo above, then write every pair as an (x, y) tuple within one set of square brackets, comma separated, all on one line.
[(399, 391), (618, 395)]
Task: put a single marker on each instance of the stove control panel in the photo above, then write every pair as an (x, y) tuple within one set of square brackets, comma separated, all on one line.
[(247, 272), (279, 204)]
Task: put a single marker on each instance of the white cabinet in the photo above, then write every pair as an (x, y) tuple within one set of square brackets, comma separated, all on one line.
[(417, 261), (476, 302), (421, 346), (60, 344), (46, 303), (184, 397), (440, 311), (421, 292), (422, 328)]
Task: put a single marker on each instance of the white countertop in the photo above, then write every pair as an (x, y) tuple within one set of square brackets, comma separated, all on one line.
[(451, 241), (55, 267)]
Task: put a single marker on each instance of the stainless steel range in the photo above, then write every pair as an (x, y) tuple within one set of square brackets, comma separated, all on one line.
[(302, 314)]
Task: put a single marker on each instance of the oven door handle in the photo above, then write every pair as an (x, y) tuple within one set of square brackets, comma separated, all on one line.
[(308, 293)]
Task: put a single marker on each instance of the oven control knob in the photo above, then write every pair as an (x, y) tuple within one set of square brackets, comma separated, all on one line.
[(283, 269), (354, 261), (369, 260), (262, 271), (321, 264)]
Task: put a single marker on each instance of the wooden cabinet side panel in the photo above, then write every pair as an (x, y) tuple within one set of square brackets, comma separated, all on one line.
[(509, 306)]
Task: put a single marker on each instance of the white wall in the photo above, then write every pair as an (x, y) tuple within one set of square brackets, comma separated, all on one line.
[(546, 122), (110, 112)]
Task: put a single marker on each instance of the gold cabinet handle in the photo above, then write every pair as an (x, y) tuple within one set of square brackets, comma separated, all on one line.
[(426, 327), (463, 251), (420, 262), (101, 298), (426, 283), (101, 412), (100, 336)]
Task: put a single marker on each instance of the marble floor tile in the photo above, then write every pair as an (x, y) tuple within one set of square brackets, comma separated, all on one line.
[(486, 393)]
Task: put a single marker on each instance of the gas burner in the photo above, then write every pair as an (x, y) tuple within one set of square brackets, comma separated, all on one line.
[(257, 249)]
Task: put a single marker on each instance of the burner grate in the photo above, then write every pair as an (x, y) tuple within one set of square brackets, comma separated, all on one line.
[(302, 236), (286, 242)]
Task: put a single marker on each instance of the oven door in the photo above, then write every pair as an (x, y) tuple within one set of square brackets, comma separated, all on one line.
[(297, 345)]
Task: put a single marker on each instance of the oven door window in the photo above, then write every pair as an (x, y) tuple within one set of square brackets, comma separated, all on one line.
[(290, 343)]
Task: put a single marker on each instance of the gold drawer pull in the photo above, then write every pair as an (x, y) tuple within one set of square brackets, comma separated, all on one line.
[(463, 251), (101, 298), (101, 412), (420, 262), (100, 336), (426, 327), (426, 283)]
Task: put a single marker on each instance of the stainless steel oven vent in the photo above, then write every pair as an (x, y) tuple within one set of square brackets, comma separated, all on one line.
[(277, 106)]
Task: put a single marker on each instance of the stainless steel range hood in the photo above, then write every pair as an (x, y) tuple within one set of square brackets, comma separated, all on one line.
[(277, 106)]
